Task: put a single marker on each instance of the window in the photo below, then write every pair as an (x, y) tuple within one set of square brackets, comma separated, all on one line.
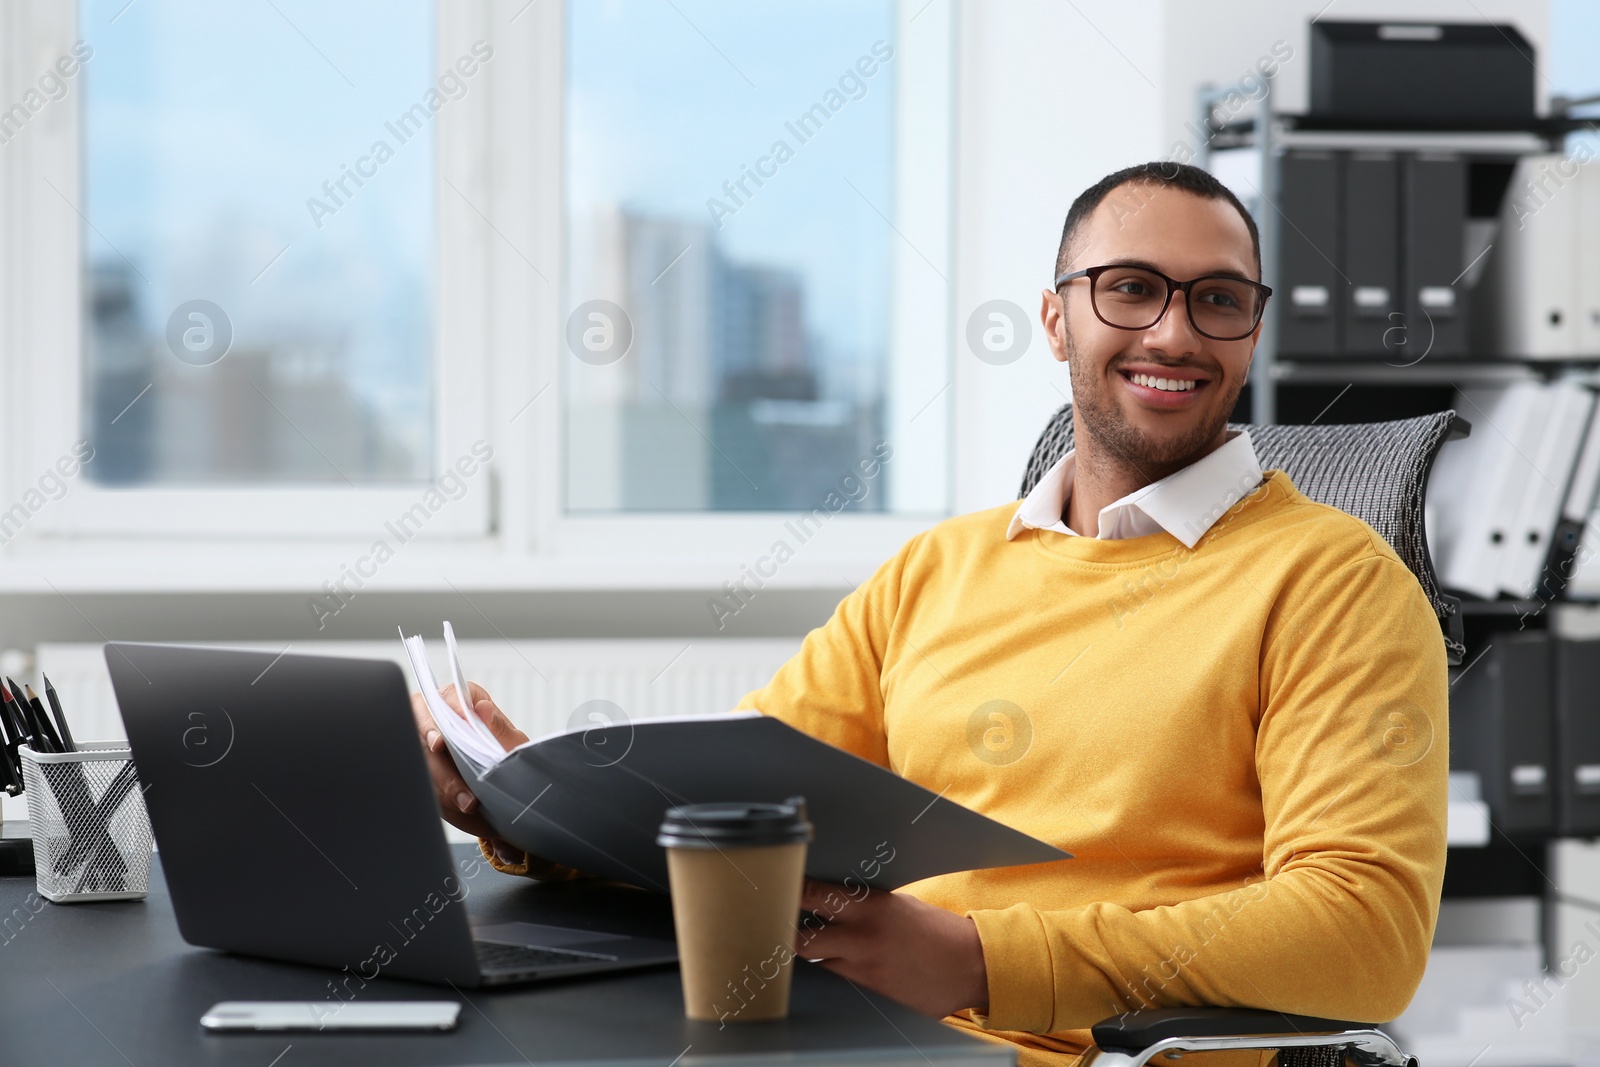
[(729, 177), (260, 240), (253, 244)]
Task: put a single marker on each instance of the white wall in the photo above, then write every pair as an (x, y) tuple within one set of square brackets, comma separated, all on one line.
[(1047, 107)]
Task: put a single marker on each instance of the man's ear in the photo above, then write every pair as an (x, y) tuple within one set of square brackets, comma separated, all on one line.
[(1055, 324)]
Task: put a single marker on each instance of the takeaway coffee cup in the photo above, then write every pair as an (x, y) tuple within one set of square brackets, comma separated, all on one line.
[(736, 871)]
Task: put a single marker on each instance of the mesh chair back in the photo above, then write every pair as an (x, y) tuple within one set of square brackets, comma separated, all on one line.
[(1376, 471)]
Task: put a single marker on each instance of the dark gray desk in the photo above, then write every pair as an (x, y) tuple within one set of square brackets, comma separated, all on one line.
[(114, 984)]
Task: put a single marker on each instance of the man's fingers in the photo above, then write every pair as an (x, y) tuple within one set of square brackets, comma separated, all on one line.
[(499, 725), (453, 699), (455, 790), (847, 969), (829, 900), (813, 892), (814, 941), (829, 942), (483, 705), (432, 740), (456, 802)]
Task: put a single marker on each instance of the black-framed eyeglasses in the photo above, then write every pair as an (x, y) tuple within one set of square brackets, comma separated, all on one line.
[(1220, 306)]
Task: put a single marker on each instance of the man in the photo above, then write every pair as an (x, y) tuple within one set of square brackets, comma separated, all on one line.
[(1228, 701)]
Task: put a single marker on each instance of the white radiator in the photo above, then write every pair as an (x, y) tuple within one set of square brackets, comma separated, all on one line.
[(538, 684)]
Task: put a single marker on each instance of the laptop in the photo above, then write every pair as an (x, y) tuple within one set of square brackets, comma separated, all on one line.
[(296, 821)]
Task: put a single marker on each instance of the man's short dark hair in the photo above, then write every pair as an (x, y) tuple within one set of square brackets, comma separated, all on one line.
[(1164, 175)]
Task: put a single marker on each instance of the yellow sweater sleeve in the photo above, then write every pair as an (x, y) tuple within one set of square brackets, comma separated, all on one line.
[(1352, 760), (530, 865), (832, 688)]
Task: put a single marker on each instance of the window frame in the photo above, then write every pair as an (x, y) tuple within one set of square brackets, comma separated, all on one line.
[(47, 329), (918, 409), (498, 353)]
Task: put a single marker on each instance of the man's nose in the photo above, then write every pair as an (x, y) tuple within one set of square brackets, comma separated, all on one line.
[(1174, 334)]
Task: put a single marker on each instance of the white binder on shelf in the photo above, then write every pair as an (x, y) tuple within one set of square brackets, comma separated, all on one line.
[(1585, 581), (1528, 306), (1586, 236), (1567, 550), (1476, 486), (1546, 474)]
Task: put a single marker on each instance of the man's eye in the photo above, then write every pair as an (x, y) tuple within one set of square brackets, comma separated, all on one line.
[(1220, 298), (1131, 287)]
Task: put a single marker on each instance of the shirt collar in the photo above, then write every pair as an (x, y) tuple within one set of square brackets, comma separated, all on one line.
[(1185, 503)]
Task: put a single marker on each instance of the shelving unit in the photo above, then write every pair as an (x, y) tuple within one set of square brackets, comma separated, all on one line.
[(1270, 395)]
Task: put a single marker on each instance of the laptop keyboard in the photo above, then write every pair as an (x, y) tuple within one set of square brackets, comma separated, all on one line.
[(497, 958)]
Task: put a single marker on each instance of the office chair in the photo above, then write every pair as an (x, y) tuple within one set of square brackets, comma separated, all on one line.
[(1137, 1037), (1377, 472)]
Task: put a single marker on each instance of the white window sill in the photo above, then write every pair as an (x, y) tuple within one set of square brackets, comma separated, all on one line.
[(636, 557)]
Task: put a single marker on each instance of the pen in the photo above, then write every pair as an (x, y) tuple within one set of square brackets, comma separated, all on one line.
[(24, 720), (44, 719), (61, 718), (10, 776), (14, 736), (44, 738), (42, 730)]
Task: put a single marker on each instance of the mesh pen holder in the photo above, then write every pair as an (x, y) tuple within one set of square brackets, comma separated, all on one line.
[(91, 832)]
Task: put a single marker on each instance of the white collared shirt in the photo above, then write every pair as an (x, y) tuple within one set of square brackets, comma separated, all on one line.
[(1185, 503)]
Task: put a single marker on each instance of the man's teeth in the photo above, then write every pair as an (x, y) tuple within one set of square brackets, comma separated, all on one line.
[(1171, 385)]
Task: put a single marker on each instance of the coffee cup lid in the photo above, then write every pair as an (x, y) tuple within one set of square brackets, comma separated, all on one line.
[(735, 825)]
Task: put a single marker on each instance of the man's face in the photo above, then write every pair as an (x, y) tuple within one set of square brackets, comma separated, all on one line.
[(1183, 236)]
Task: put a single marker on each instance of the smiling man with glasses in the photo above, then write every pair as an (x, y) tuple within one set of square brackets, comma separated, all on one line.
[(1228, 701)]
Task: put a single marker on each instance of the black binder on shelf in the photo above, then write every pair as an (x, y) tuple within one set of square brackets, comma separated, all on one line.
[(1371, 203), (1434, 198), (1501, 726), (1313, 293), (1577, 737)]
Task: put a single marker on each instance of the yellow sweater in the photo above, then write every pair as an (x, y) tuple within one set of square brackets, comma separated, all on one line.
[(1243, 744)]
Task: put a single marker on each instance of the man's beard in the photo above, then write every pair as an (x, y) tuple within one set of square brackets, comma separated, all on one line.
[(1125, 444)]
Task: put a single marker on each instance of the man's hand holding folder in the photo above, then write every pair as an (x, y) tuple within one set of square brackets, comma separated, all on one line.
[(456, 801)]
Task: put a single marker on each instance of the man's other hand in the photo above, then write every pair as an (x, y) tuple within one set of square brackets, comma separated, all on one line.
[(925, 957), (456, 802)]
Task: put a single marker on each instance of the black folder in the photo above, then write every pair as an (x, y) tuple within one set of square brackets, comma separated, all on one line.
[(1577, 732), (1501, 728), (1434, 202), (593, 799), (1312, 297), (1373, 325)]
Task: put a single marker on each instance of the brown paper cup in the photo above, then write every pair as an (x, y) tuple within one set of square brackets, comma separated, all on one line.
[(735, 910)]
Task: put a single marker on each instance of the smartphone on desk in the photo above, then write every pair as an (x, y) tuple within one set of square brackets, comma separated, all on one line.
[(257, 1015)]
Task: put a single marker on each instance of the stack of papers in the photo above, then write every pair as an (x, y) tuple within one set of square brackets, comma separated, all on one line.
[(465, 733)]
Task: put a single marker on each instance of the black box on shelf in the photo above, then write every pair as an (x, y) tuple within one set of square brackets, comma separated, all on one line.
[(1413, 75)]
